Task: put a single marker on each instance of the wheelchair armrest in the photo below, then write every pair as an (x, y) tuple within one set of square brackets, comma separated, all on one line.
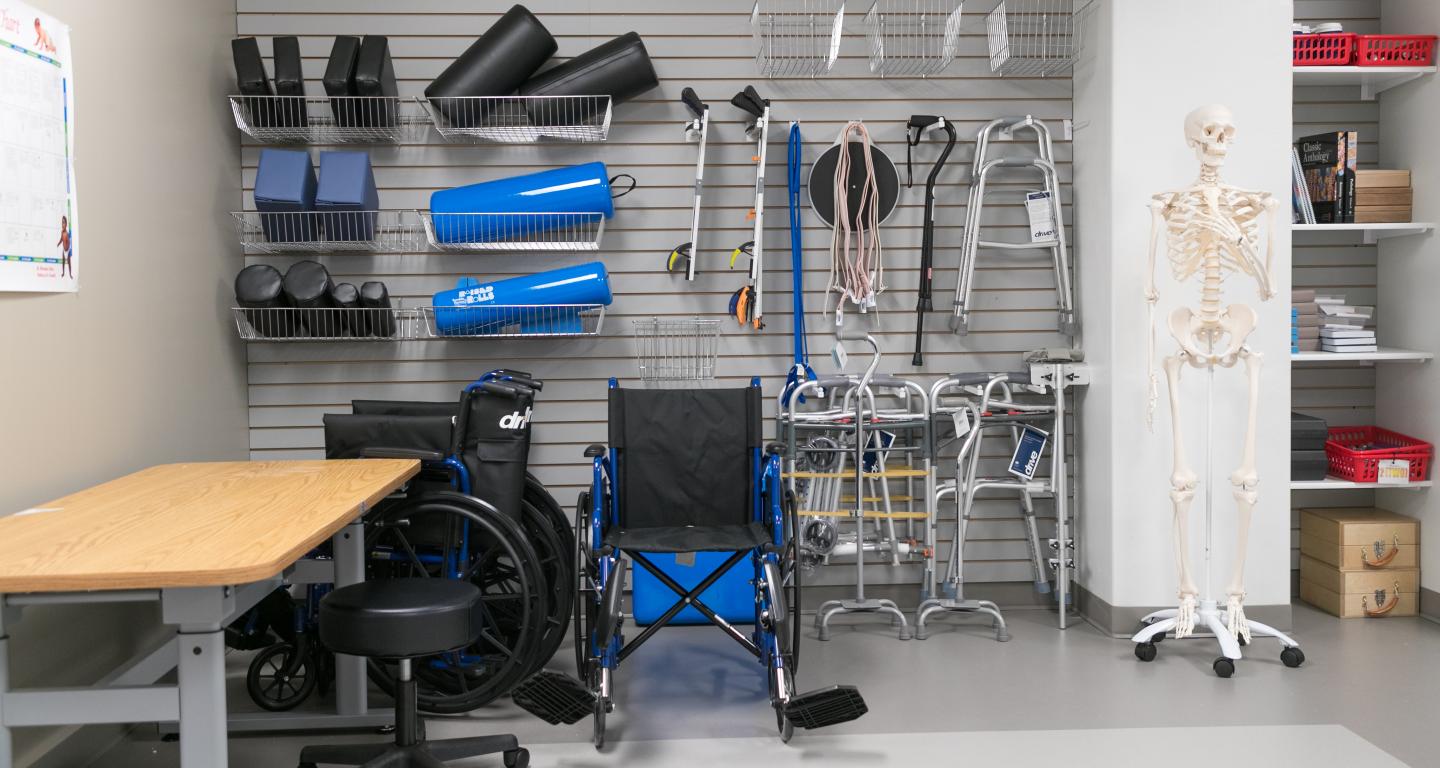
[(775, 449), (401, 453), (595, 449)]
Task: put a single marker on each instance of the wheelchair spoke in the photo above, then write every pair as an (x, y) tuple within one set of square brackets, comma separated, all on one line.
[(410, 551)]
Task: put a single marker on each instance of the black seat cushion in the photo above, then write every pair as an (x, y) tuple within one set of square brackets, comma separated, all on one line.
[(401, 618), (690, 538)]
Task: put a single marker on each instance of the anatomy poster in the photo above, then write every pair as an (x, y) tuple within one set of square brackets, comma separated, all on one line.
[(39, 230)]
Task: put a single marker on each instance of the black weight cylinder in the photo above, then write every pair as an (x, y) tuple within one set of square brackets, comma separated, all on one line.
[(307, 287), (620, 69), (375, 303), (259, 288), (495, 65), (347, 297)]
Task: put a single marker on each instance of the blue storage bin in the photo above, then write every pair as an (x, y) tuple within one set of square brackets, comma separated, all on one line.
[(461, 311), (285, 184), (347, 183), (577, 190), (731, 596)]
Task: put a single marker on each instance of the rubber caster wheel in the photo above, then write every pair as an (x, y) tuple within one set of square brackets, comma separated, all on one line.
[(1224, 667), (517, 758), (598, 736), (1292, 656), (1146, 652)]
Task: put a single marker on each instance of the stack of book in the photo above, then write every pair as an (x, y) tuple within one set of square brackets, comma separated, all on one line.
[(1326, 164), (1345, 328), (1304, 321), (1383, 196)]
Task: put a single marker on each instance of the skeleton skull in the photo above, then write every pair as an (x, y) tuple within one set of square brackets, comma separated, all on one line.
[(1209, 130)]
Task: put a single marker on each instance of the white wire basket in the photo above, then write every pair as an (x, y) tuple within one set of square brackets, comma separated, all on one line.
[(1034, 38), (520, 119), (796, 38), (289, 324), (676, 350), (329, 231), (912, 38), (514, 231), (329, 119), (514, 321)]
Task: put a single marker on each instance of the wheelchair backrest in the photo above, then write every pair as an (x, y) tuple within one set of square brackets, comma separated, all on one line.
[(685, 456)]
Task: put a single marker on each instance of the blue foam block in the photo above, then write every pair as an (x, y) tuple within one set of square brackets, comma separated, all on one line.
[(347, 183), (285, 183), (731, 596)]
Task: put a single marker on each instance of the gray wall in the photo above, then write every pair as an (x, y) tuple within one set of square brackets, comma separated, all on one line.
[(706, 46), (138, 368)]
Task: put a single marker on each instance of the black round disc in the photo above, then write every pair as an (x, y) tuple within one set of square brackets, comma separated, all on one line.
[(822, 182)]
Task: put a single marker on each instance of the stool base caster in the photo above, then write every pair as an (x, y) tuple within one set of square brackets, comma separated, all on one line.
[(517, 758)]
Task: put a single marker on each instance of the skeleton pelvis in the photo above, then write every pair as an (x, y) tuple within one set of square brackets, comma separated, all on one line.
[(1213, 343)]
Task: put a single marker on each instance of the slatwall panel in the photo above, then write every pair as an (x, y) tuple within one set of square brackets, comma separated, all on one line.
[(1336, 263), (708, 47)]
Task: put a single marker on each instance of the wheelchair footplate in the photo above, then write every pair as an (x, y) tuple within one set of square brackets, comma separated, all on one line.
[(827, 706), (558, 698)]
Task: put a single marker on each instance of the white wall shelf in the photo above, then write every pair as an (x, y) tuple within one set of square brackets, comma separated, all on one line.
[(1385, 355), (1336, 484), (1371, 232), (1372, 80)]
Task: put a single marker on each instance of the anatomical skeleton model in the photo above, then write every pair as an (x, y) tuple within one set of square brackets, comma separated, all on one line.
[(1209, 231)]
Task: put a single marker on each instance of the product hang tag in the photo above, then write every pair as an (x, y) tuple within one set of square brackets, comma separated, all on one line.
[(839, 356), (962, 422), (1028, 449), (1393, 472), (1042, 216)]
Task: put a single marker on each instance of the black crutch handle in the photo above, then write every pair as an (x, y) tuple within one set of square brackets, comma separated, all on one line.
[(692, 101), (750, 101)]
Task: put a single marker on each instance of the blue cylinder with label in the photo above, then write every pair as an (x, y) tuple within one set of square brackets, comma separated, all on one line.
[(542, 303), (519, 207)]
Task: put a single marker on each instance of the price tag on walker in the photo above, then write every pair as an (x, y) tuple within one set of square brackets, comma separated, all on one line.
[(1042, 218), (1027, 453), (1393, 472)]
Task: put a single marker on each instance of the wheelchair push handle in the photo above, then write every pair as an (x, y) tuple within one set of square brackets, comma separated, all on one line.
[(519, 377), (505, 389)]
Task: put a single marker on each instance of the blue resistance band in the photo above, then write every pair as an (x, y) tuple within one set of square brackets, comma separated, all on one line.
[(801, 371)]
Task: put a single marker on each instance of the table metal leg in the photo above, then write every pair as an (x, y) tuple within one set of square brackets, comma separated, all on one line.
[(6, 748), (350, 679), (202, 700)]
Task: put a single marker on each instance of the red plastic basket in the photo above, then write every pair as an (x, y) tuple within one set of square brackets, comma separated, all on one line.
[(1395, 51), (1355, 453), (1332, 49)]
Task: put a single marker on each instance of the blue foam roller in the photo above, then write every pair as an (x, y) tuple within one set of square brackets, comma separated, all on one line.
[(576, 189), (285, 183), (347, 183), (731, 597), (462, 310)]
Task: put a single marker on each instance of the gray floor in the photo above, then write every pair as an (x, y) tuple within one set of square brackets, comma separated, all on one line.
[(692, 697)]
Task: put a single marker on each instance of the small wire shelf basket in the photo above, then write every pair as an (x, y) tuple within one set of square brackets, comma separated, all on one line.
[(290, 324), (513, 321), (912, 38), (676, 350), (1034, 38), (329, 119), (796, 38), (514, 231), (329, 231), (520, 119)]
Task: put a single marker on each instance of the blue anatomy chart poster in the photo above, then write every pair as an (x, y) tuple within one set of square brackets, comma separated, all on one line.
[(39, 242)]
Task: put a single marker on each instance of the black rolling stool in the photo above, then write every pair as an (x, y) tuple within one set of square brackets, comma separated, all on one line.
[(403, 619)]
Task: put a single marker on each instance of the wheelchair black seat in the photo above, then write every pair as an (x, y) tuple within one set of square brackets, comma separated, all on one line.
[(690, 538)]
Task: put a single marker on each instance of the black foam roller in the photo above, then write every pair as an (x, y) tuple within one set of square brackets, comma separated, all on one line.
[(251, 81), (375, 76), (339, 79), (374, 297), (258, 287), (620, 69), (346, 296), (289, 81), (495, 65), (307, 286)]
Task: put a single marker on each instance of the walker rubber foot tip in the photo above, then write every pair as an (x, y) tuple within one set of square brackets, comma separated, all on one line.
[(905, 633), (1002, 636), (1042, 587), (824, 634), (921, 634)]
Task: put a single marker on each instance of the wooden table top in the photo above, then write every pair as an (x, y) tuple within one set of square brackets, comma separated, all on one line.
[(190, 525)]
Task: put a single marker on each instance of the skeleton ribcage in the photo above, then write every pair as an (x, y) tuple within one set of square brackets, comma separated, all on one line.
[(1195, 232)]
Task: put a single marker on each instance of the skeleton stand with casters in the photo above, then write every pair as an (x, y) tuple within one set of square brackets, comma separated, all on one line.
[(971, 244), (697, 129), (1211, 229), (858, 421)]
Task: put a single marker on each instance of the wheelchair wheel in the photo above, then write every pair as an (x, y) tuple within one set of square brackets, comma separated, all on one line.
[(788, 626), (451, 535), (545, 519), (280, 677), (587, 571)]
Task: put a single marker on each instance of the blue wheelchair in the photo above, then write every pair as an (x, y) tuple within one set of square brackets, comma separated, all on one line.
[(685, 472)]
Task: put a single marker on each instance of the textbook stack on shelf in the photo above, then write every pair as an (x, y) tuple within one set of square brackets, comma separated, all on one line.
[(1383, 196), (1304, 321), (1345, 328)]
